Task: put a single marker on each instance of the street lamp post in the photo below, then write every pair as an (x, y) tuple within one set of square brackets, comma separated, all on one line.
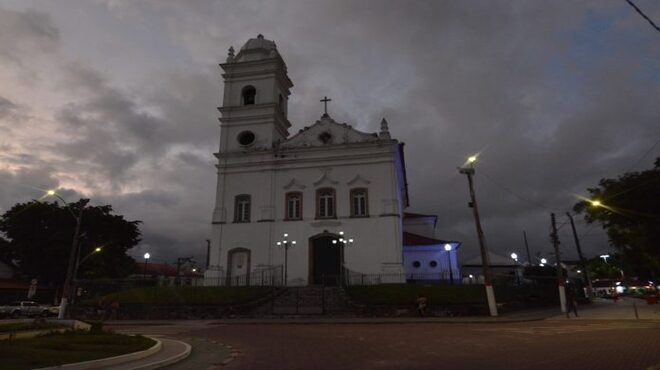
[(514, 257), (451, 273), (286, 245), (343, 241), (583, 263), (485, 258), (66, 289), (146, 260), (80, 262)]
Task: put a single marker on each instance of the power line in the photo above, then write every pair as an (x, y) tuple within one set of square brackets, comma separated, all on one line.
[(644, 156), (517, 195), (643, 15)]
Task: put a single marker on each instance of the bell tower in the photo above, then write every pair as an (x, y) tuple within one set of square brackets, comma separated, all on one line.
[(256, 94)]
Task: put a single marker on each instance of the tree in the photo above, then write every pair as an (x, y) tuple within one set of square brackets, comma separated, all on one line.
[(611, 269), (629, 209), (38, 236)]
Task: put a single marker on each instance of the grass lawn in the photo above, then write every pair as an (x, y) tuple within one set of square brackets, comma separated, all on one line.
[(406, 294), (185, 295), (57, 349)]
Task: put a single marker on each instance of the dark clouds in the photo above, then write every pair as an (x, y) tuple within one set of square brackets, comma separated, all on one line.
[(555, 95)]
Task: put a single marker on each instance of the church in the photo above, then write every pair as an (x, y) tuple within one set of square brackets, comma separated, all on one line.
[(315, 203)]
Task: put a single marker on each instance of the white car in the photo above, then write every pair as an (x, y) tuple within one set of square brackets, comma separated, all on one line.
[(26, 308)]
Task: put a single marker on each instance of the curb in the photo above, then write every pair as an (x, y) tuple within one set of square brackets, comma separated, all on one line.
[(168, 361), (109, 361), (369, 322)]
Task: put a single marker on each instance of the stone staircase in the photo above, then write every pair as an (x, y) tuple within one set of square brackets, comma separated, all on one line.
[(307, 300)]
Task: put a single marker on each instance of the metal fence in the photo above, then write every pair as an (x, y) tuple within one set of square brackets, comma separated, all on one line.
[(94, 288), (354, 278), (271, 276)]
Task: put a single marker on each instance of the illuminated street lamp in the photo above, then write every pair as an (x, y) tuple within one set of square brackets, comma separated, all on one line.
[(451, 273), (596, 203), (80, 262), (343, 241), (514, 257), (485, 258), (146, 260), (71, 266), (604, 257), (543, 262), (286, 245)]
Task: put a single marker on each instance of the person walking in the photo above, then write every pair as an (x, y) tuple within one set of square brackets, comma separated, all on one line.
[(571, 303), (421, 305)]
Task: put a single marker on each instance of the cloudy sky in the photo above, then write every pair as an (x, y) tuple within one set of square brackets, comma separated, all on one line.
[(115, 101)]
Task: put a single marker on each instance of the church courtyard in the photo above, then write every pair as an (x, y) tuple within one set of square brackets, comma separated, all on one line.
[(547, 344)]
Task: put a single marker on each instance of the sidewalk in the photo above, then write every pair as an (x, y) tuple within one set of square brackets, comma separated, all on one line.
[(600, 309), (172, 351), (608, 309)]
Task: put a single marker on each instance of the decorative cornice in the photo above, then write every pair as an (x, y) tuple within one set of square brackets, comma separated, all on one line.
[(358, 179), (325, 178), (294, 183)]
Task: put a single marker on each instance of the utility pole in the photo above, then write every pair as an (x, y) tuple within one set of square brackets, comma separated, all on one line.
[(583, 262), (485, 258), (529, 257), (560, 275), (66, 290)]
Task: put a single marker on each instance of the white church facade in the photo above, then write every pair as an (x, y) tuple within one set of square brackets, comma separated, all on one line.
[(338, 194)]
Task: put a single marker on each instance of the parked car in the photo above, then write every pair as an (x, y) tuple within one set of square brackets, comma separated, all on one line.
[(27, 308)]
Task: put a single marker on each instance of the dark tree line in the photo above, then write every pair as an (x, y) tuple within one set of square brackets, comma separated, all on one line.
[(37, 236), (629, 211)]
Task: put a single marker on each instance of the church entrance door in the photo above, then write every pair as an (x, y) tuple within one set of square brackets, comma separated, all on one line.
[(239, 266), (325, 260)]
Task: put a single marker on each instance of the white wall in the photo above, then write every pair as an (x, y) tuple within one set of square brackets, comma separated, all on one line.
[(377, 246)]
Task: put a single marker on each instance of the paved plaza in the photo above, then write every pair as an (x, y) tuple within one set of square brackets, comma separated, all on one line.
[(592, 341)]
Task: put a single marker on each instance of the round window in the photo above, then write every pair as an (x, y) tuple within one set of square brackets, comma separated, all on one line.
[(246, 138), (416, 264), (433, 264)]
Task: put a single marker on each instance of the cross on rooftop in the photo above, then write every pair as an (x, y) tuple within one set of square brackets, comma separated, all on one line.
[(325, 101)]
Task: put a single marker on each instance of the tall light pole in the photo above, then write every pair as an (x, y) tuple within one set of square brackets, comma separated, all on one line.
[(485, 258), (343, 241), (451, 273), (560, 275), (80, 262), (66, 289), (583, 263), (286, 245), (146, 260), (514, 257)]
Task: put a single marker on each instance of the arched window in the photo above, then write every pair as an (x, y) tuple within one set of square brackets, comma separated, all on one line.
[(359, 203), (293, 206), (248, 94), (242, 208), (325, 203)]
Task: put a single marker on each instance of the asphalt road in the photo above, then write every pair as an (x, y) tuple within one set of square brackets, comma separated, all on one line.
[(550, 344)]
